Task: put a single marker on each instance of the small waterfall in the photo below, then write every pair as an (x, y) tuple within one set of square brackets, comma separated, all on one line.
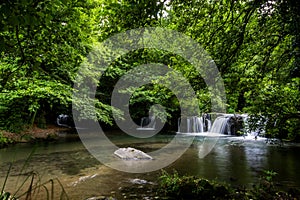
[(207, 124), (221, 125), (224, 124), (64, 121), (184, 124), (227, 124), (178, 125), (147, 123), (199, 127), (190, 125)]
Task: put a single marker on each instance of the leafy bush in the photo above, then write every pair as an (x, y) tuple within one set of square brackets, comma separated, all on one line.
[(3, 140), (173, 186), (189, 187)]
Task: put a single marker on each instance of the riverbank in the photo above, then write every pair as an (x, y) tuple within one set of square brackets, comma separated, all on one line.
[(32, 134)]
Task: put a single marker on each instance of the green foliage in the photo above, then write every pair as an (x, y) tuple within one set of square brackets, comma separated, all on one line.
[(269, 175), (188, 187), (279, 104), (174, 186), (3, 140), (5, 196), (255, 45), (266, 188), (23, 98), (251, 42), (117, 16), (42, 45)]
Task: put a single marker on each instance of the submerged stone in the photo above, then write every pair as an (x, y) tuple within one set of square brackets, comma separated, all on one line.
[(130, 153)]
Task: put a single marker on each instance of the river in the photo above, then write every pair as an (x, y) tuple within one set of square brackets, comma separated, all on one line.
[(234, 160)]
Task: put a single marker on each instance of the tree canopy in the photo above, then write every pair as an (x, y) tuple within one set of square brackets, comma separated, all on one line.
[(255, 45)]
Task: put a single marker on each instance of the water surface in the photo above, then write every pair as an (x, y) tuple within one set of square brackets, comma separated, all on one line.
[(235, 160)]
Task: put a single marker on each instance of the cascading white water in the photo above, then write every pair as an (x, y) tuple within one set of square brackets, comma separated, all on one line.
[(208, 124), (147, 123), (190, 125), (184, 125), (179, 125), (220, 125), (226, 124), (199, 125)]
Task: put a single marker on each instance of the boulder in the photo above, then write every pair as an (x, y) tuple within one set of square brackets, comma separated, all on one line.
[(130, 153)]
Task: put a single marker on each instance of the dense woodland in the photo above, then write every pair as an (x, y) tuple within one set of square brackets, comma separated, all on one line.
[(254, 43)]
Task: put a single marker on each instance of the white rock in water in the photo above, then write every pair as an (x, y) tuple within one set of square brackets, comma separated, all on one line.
[(139, 181), (130, 153)]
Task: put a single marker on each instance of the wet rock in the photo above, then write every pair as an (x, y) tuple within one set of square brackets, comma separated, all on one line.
[(138, 181), (130, 153)]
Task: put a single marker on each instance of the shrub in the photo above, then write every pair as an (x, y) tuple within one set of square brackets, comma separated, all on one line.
[(4, 140), (190, 187), (173, 186)]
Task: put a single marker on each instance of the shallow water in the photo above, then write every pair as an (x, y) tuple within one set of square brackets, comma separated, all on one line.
[(235, 160)]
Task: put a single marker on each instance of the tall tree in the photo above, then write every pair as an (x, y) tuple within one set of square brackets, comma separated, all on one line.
[(42, 44)]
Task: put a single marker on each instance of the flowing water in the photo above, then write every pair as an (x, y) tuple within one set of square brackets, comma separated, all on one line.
[(220, 125), (235, 160)]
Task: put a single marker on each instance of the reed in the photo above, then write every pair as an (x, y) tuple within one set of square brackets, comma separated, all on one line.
[(31, 187)]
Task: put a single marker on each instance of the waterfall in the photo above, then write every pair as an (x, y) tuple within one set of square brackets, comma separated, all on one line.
[(221, 125), (199, 128), (207, 124), (227, 124), (190, 125), (184, 124), (147, 123)]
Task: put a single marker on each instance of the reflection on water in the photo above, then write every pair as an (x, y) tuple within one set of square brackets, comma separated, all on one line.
[(240, 161), (234, 160)]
